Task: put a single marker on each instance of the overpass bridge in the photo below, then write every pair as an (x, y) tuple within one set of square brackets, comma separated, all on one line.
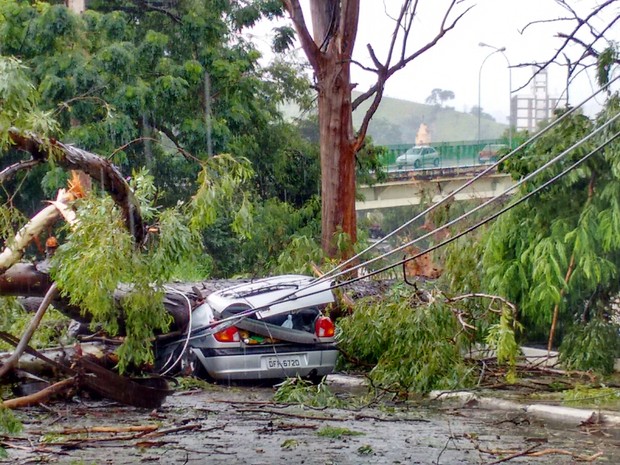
[(411, 187)]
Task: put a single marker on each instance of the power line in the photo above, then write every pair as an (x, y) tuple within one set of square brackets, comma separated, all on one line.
[(522, 181), (490, 218), (230, 321), (332, 274)]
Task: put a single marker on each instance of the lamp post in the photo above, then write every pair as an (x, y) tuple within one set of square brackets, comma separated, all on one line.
[(501, 50)]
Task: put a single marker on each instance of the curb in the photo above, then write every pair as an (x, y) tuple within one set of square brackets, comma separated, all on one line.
[(574, 416)]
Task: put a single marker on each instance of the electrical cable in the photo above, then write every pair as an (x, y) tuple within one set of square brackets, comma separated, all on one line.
[(330, 274), (486, 220), (220, 324), (189, 332), (484, 204)]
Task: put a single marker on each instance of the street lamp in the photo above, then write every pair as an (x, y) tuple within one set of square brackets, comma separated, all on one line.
[(500, 50)]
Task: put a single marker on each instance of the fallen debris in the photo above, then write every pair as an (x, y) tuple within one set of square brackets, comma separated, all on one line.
[(42, 396), (149, 392)]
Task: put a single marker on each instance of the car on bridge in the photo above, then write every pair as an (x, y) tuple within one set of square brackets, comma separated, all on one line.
[(417, 157), (491, 153)]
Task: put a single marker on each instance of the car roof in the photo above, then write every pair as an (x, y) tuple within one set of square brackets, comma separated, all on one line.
[(289, 292)]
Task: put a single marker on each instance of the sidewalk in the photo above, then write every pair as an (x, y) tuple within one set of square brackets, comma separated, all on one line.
[(568, 415)]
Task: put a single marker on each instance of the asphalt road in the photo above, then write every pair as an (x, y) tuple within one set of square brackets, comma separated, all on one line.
[(242, 425)]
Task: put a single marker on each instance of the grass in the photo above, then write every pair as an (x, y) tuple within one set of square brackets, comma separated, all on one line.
[(333, 432)]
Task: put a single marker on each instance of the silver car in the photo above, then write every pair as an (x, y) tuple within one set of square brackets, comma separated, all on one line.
[(417, 157), (271, 328)]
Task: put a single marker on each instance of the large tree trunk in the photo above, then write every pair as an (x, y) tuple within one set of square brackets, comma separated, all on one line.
[(337, 156), (329, 52)]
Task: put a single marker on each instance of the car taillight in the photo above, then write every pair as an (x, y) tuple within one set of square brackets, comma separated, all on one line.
[(229, 334), (324, 327)]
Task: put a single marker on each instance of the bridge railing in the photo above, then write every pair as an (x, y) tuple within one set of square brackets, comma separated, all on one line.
[(452, 154)]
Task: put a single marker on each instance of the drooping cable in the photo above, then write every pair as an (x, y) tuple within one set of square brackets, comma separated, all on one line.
[(333, 272), (220, 324), (485, 220), (484, 204)]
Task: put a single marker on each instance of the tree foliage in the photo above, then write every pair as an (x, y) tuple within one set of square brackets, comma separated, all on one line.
[(559, 248), (557, 255), (439, 96), (411, 346), (158, 88)]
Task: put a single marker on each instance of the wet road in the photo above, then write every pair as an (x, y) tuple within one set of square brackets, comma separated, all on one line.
[(241, 425)]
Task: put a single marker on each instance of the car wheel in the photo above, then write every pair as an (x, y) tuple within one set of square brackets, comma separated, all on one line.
[(436, 162), (416, 164), (198, 369), (315, 378)]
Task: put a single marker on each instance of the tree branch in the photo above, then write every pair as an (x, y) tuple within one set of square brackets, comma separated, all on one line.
[(10, 171), (98, 168), (10, 363), (384, 71), (175, 140), (307, 42), (571, 37), (41, 396), (42, 220), (348, 25)]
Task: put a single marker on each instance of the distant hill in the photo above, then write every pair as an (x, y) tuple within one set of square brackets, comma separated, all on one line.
[(397, 121)]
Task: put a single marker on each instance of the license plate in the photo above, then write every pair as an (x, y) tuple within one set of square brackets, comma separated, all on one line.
[(287, 361)]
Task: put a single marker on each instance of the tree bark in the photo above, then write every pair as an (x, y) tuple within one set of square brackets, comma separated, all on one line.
[(329, 52), (337, 157), (99, 169)]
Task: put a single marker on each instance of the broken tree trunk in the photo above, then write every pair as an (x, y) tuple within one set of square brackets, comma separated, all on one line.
[(99, 169), (41, 221)]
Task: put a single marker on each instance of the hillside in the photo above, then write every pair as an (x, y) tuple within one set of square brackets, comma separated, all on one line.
[(397, 121)]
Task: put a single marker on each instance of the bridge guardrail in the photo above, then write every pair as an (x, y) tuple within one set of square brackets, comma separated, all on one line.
[(451, 153)]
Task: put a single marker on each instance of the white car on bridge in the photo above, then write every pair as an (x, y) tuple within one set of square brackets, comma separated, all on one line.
[(417, 157)]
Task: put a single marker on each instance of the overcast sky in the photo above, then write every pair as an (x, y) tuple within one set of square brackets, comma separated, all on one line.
[(455, 62)]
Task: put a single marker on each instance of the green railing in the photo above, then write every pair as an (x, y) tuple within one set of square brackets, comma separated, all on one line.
[(451, 153)]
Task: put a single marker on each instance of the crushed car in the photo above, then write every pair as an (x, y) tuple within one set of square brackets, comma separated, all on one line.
[(268, 329)]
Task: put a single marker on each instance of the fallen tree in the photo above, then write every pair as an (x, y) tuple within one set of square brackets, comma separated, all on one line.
[(97, 168), (112, 269)]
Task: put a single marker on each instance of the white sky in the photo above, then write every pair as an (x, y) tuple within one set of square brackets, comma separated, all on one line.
[(455, 62)]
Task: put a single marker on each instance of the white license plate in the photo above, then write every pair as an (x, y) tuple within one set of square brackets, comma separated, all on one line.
[(290, 361)]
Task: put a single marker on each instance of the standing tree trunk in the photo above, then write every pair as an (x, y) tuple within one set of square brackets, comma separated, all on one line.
[(337, 154), (329, 51)]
